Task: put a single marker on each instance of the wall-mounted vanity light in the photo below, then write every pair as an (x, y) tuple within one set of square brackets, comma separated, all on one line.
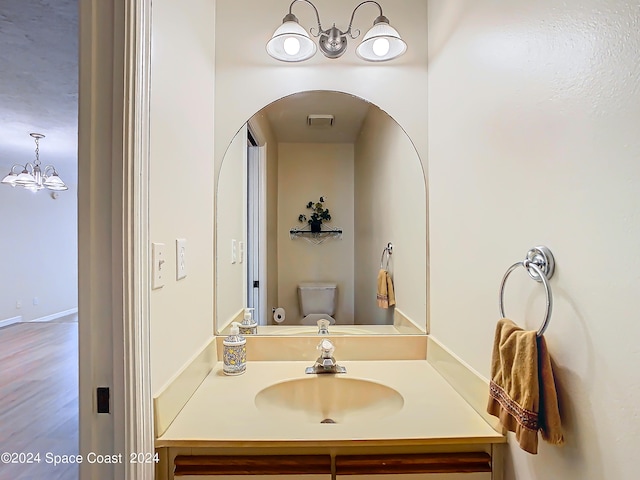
[(291, 43)]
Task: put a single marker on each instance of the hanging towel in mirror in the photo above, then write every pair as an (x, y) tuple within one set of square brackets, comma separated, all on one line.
[(386, 297), (522, 392)]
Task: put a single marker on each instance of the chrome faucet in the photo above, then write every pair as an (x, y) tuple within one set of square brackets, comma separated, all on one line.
[(326, 363), (323, 327)]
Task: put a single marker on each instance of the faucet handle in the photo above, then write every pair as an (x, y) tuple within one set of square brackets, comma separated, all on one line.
[(326, 347), (323, 326), (325, 362)]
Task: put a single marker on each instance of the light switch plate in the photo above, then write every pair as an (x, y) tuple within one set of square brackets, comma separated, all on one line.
[(240, 251), (234, 251), (159, 266), (181, 258)]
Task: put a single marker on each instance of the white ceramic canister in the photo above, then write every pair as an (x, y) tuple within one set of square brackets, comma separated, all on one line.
[(248, 326), (234, 352)]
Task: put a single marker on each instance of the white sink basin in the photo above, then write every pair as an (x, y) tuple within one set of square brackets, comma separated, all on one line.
[(329, 398)]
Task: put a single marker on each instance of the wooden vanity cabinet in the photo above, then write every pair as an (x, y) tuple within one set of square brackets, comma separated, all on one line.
[(426, 466), (253, 467), (326, 476), (418, 476), (419, 466)]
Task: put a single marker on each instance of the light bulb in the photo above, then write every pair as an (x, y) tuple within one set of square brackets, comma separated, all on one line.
[(381, 47), (291, 45)]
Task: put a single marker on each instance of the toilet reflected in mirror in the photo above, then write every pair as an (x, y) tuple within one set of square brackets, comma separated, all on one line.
[(372, 181), (317, 302)]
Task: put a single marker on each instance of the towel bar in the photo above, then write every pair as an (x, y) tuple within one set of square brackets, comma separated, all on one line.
[(388, 250), (540, 264)]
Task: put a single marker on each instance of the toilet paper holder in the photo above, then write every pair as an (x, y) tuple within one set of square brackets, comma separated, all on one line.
[(278, 314)]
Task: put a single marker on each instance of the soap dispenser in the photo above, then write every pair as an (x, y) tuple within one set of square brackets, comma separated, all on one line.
[(248, 326), (234, 352)]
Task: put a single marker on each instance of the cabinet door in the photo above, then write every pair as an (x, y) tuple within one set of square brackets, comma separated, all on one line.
[(326, 476), (252, 467), (419, 476), (416, 466)]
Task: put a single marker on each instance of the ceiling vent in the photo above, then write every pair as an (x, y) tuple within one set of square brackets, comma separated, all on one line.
[(317, 120)]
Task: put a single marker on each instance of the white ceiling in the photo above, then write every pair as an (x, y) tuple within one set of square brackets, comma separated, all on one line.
[(39, 83), (288, 117)]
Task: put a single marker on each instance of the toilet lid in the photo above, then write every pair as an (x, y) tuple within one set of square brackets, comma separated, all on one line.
[(312, 319)]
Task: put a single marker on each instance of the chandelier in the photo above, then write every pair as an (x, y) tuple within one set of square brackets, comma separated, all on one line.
[(33, 176)]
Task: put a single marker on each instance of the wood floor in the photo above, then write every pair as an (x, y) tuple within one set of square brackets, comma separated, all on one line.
[(39, 397)]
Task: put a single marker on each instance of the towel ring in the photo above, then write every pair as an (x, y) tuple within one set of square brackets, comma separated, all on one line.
[(540, 264), (388, 250)]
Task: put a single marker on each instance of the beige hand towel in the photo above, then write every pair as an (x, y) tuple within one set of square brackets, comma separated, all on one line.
[(522, 389), (385, 295)]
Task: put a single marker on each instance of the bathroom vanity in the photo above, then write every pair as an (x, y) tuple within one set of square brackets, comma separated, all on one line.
[(395, 418)]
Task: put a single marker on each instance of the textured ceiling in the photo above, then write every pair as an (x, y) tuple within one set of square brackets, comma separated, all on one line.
[(39, 82)]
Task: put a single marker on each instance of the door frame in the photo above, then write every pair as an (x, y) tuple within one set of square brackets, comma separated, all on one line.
[(256, 206), (113, 273)]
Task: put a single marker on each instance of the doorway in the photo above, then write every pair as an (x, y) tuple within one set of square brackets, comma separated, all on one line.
[(256, 227)]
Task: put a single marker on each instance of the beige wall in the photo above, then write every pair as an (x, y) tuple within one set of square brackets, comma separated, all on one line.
[(390, 206), (534, 110), (230, 224), (181, 179), (39, 245), (307, 171)]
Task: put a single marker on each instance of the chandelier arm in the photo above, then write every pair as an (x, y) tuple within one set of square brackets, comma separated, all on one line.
[(353, 14), (49, 168), (320, 30)]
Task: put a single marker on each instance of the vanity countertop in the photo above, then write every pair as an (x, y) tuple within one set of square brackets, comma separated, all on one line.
[(222, 411)]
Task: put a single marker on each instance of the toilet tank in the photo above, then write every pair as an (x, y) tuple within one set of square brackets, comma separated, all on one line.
[(318, 297)]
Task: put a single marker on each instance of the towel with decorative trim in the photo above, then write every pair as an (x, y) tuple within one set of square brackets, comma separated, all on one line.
[(522, 392), (385, 295)]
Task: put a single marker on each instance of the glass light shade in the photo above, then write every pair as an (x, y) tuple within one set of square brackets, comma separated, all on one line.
[(54, 182), (291, 43), (381, 43), (25, 179), (10, 179)]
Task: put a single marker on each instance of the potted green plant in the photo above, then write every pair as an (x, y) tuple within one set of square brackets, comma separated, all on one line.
[(319, 214)]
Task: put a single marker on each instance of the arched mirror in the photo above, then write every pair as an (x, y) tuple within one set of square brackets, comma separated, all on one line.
[(335, 156)]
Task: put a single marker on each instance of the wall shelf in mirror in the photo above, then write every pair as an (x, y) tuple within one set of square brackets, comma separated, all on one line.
[(315, 237)]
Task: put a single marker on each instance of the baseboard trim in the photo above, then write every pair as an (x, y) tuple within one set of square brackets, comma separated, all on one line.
[(174, 395), (10, 321), (55, 316), (469, 384), (404, 324)]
